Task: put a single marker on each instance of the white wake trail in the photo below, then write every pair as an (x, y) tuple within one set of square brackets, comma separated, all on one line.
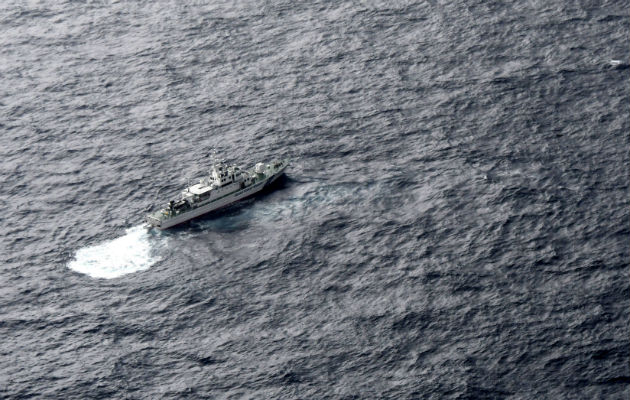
[(124, 255)]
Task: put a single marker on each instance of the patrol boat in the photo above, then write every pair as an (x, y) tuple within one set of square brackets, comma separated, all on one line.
[(225, 185)]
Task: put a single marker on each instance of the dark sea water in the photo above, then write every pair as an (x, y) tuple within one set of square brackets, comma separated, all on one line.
[(455, 222)]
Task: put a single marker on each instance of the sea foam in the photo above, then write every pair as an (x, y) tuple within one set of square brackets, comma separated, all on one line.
[(123, 255)]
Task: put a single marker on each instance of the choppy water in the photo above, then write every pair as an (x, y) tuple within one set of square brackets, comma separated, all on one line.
[(454, 224)]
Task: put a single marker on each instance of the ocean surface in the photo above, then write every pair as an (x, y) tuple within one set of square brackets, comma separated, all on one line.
[(455, 222)]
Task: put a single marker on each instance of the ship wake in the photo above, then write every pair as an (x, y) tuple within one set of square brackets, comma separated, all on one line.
[(114, 258)]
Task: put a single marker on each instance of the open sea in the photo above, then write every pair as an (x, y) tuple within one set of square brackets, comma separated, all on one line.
[(455, 221)]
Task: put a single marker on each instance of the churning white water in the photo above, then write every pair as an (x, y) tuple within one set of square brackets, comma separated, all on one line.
[(117, 257)]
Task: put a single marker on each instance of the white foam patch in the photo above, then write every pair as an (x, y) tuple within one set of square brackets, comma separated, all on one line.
[(124, 255)]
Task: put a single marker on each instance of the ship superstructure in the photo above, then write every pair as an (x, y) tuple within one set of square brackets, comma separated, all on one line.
[(223, 186)]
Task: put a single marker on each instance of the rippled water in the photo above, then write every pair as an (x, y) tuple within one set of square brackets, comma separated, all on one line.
[(454, 223)]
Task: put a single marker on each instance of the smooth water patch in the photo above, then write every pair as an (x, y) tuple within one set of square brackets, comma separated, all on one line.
[(124, 255), (272, 210)]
